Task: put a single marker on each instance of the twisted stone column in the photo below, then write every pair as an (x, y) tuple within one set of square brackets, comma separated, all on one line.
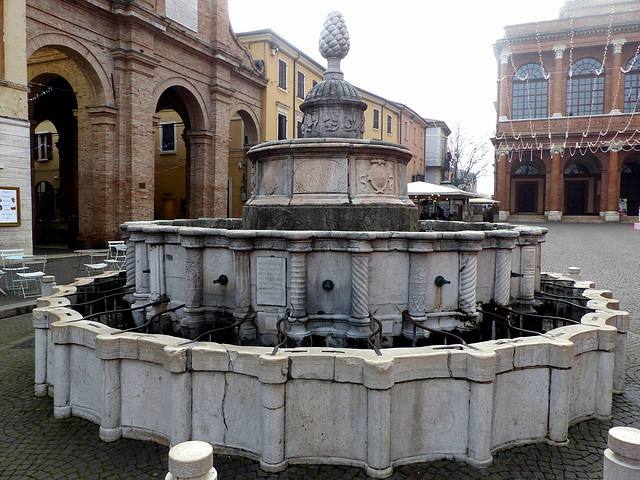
[(359, 319), (299, 247), (470, 245), (502, 284)]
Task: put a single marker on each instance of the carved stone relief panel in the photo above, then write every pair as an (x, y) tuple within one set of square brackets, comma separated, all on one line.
[(321, 176)]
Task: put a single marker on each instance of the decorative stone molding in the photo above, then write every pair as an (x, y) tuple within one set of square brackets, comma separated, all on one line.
[(618, 43), (559, 51)]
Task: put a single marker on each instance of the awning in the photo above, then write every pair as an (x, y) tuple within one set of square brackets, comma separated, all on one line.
[(424, 189)]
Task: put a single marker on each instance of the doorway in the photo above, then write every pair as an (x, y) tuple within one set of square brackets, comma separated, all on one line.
[(576, 198)]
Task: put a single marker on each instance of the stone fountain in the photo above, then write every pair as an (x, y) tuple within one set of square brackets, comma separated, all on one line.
[(330, 253)]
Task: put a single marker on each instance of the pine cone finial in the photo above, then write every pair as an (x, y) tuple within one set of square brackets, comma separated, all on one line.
[(334, 39)]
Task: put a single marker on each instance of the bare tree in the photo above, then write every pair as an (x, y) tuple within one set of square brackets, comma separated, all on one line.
[(469, 157)]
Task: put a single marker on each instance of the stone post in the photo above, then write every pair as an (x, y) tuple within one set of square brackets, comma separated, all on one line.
[(470, 244), (557, 106), (61, 373), (622, 458), (242, 244), (191, 461), (273, 377), (360, 249), (420, 246), (41, 326), (555, 210), (299, 246), (193, 321), (613, 186), (48, 282)]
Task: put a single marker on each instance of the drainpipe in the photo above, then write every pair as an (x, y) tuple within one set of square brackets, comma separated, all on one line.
[(295, 92)]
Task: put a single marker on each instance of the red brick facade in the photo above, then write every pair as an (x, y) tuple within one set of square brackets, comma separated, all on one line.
[(125, 60), (566, 138)]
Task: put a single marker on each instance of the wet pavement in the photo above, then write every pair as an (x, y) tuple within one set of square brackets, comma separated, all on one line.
[(34, 445)]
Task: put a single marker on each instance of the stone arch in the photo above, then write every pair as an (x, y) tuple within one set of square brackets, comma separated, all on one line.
[(81, 55), (196, 106), (251, 120)]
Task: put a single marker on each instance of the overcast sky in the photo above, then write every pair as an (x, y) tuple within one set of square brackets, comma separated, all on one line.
[(434, 56)]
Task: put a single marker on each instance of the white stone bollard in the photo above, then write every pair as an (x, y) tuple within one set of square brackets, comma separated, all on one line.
[(48, 282), (622, 458), (191, 460), (574, 273)]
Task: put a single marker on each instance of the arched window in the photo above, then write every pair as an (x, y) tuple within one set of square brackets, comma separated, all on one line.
[(631, 84), (530, 88), (576, 169), (585, 88), (526, 170)]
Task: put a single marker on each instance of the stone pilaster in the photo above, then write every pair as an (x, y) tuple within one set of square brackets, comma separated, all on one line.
[(616, 84), (504, 86), (242, 247), (273, 377), (193, 322), (554, 209), (613, 186), (420, 246), (502, 190), (141, 295), (557, 103)]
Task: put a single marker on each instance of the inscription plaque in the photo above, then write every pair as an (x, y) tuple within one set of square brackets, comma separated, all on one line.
[(271, 281), (185, 12)]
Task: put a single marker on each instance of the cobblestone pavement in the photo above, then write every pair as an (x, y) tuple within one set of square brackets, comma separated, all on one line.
[(33, 445)]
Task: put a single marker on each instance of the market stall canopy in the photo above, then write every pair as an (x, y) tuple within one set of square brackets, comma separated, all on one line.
[(482, 201), (431, 189)]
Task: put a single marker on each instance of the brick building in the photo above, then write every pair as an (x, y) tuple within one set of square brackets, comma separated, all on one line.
[(567, 132), (103, 74)]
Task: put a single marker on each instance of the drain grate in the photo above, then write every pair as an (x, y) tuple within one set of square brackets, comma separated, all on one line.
[(31, 343)]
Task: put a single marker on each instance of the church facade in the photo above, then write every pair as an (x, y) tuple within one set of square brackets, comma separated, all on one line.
[(568, 132)]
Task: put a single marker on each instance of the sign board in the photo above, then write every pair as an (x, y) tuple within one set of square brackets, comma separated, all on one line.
[(184, 12), (271, 281), (9, 206)]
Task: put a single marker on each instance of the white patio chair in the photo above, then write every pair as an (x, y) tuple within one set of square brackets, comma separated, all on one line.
[(29, 280), (98, 263), (117, 254), (11, 263)]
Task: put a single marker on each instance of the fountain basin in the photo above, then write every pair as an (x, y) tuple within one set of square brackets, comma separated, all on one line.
[(328, 405)]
